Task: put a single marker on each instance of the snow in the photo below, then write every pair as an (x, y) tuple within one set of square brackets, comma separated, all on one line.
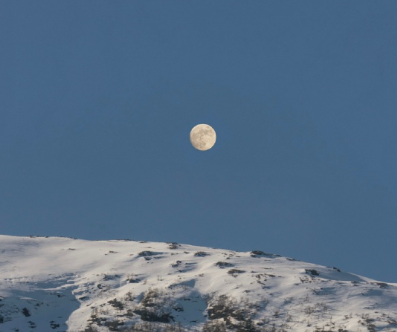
[(60, 284)]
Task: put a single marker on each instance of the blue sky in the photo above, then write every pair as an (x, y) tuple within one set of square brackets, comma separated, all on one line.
[(97, 99)]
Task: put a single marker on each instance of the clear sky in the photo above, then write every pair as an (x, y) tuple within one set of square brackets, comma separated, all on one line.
[(97, 99)]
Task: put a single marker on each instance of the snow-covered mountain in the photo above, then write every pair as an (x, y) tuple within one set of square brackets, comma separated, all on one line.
[(63, 284)]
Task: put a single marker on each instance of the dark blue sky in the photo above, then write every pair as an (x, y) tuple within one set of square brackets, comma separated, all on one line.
[(97, 99)]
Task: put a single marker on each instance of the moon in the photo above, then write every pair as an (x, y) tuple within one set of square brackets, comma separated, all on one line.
[(203, 137)]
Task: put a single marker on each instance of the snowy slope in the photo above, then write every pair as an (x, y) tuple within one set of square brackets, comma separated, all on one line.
[(63, 284)]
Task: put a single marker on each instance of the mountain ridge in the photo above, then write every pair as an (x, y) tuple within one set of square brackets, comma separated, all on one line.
[(65, 284)]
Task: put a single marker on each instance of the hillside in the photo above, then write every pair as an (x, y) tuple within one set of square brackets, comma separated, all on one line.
[(62, 284)]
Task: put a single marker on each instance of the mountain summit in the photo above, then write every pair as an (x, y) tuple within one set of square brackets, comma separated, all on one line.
[(62, 284)]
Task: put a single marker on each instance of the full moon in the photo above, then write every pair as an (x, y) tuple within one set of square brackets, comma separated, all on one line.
[(203, 137)]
